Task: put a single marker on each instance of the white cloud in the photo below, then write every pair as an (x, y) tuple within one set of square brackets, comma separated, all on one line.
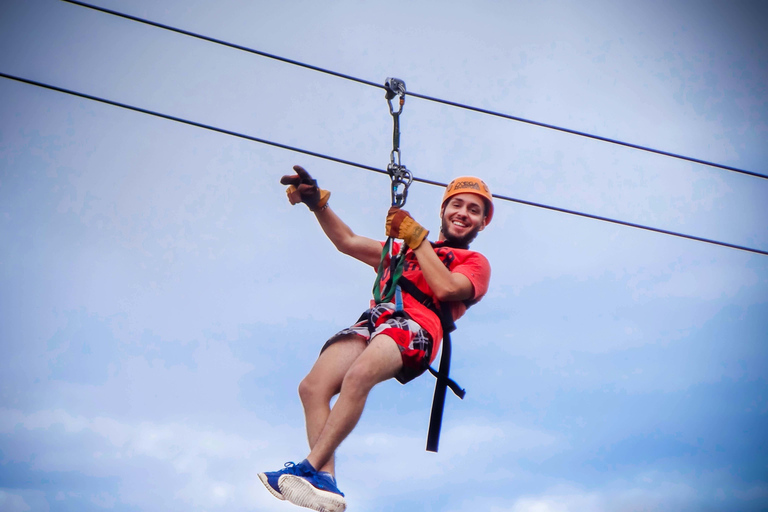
[(500, 437), (186, 446), (12, 502), (371, 463), (589, 502), (203, 467), (658, 493), (644, 492)]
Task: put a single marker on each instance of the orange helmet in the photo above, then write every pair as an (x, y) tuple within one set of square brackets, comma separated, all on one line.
[(471, 185)]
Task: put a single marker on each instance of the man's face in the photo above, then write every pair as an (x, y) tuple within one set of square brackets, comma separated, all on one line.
[(462, 218)]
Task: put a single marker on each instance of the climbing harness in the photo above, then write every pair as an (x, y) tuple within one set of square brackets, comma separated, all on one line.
[(401, 179)]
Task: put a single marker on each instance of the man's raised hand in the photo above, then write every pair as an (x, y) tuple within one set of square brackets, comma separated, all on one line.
[(303, 189)]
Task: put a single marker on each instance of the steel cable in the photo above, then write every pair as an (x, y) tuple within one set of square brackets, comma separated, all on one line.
[(417, 95), (367, 167)]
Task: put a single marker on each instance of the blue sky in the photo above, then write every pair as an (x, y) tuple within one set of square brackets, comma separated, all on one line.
[(160, 300)]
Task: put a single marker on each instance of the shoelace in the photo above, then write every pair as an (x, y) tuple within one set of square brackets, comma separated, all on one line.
[(295, 469)]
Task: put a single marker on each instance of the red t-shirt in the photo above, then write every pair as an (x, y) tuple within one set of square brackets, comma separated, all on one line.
[(469, 263)]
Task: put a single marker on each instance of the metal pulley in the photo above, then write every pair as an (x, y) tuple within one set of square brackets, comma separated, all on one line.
[(395, 87)]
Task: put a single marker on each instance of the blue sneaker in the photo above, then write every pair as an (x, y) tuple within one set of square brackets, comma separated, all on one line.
[(307, 487), (270, 479)]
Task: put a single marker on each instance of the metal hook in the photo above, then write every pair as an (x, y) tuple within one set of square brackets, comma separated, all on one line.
[(400, 176)]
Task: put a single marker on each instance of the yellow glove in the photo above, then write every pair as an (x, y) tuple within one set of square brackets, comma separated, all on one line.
[(303, 189), (401, 225)]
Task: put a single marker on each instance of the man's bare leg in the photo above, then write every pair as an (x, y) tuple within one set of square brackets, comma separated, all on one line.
[(316, 390), (323, 382), (380, 361)]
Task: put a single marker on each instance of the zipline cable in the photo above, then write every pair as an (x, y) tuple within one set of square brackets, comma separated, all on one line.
[(368, 167), (589, 135), (417, 95), (187, 121), (223, 43)]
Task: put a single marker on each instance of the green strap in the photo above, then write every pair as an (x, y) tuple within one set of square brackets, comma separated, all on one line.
[(397, 264)]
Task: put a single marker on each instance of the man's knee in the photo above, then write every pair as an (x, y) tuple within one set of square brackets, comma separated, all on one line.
[(312, 390)]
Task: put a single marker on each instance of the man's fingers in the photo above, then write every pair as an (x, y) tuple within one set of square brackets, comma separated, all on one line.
[(304, 175), (302, 188), (301, 177), (290, 179), (398, 219), (395, 218)]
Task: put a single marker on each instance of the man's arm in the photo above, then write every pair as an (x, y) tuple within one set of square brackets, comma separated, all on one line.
[(346, 241), (303, 189), (446, 285)]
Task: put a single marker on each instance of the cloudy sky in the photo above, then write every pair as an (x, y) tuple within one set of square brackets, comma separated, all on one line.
[(160, 299)]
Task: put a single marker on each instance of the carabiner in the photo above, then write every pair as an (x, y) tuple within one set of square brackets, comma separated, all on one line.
[(399, 176)]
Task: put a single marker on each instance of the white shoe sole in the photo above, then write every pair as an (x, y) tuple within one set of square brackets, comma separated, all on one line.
[(264, 480), (300, 492)]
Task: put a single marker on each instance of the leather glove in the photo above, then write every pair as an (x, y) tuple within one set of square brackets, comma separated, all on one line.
[(303, 189), (401, 225)]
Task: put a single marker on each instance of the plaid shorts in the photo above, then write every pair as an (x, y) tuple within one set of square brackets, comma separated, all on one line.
[(415, 343)]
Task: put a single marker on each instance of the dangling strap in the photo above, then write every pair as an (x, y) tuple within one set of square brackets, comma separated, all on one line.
[(442, 375), (438, 402)]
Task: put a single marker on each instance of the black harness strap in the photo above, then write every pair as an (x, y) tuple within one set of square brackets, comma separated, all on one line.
[(443, 373)]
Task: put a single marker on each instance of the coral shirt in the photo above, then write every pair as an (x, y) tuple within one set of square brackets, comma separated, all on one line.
[(469, 263)]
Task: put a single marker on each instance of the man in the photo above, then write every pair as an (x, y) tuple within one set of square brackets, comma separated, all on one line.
[(385, 342)]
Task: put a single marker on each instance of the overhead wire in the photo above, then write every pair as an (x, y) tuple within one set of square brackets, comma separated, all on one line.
[(363, 166), (418, 95), (185, 121)]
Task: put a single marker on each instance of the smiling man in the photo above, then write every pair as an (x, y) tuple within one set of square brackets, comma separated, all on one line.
[(387, 341)]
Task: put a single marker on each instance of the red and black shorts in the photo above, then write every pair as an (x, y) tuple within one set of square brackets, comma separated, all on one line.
[(414, 342)]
